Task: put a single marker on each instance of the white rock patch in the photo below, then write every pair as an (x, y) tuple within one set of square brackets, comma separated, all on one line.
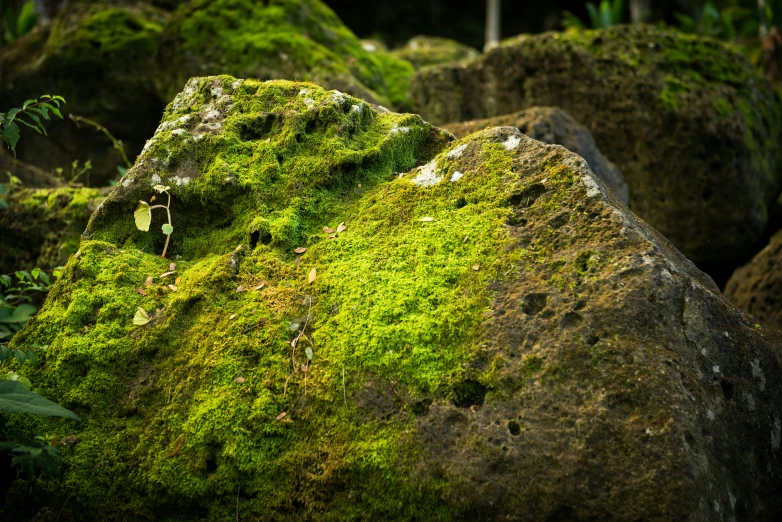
[(456, 176), (427, 175), (512, 142), (457, 152)]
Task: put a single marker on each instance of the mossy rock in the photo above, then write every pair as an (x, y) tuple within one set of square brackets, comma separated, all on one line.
[(694, 128), (434, 50), (42, 227), (553, 125), (100, 57), (490, 335), (756, 287), (285, 39)]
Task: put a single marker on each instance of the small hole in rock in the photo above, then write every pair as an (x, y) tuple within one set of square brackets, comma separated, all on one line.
[(468, 393), (514, 428)]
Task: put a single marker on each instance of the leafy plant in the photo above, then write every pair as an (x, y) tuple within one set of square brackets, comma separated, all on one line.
[(27, 455), (77, 171), (143, 215), (18, 292), (16, 25), (32, 114), (610, 12), (727, 24), (12, 180)]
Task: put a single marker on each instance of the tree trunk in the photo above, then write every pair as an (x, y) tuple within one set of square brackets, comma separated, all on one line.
[(492, 22)]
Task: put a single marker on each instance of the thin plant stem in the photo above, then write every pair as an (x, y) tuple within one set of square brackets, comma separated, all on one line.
[(117, 143)]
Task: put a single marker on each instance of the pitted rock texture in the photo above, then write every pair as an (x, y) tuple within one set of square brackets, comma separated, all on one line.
[(553, 125), (477, 330), (694, 128), (756, 287)]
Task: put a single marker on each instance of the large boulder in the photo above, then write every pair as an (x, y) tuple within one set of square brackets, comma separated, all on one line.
[(694, 128), (42, 227), (118, 62), (100, 57), (555, 126), (290, 39), (756, 287), (477, 330)]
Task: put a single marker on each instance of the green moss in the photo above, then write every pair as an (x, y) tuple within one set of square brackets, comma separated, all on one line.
[(422, 51), (292, 39), (396, 301), (723, 107)]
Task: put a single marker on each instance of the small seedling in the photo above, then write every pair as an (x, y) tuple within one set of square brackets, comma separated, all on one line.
[(143, 215)]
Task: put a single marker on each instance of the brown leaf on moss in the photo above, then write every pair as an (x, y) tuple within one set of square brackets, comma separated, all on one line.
[(281, 415), (476, 267), (312, 276), (328, 230), (427, 219), (141, 291), (150, 281), (177, 280), (240, 380), (172, 266), (297, 260), (173, 288), (299, 250), (260, 285), (239, 288), (342, 227), (166, 274)]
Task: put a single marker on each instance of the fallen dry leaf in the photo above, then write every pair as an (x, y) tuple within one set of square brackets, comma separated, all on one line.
[(239, 288), (299, 250), (465, 239), (312, 276), (173, 288), (476, 267), (260, 285), (172, 266), (281, 415), (177, 280), (427, 219), (305, 368), (233, 316), (328, 230), (332, 236), (341, 227), (240, 380), (150, 281), (141, 291), (166, 274), (297, 260)]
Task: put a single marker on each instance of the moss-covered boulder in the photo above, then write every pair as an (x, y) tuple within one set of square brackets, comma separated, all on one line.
[(756, 287), (433, 50), (101, 59), (286, 39), (368, 321), (694, 128), (555, 126), (42, 227)]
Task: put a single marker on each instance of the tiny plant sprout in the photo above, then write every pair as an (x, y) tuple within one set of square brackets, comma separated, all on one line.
[(143, 215)]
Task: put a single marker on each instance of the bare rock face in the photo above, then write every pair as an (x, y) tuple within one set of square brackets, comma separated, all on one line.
[(371, 321), (553, 125), (694, 128), (756, 288)]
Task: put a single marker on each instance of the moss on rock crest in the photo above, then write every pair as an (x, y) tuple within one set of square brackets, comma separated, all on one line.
[(694, 128), (433, 50), (491, 331)]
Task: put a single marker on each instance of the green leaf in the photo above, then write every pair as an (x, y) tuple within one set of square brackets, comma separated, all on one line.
[(31, 356), (21, 314), (45, 278), (308, 353), (4, 352), (14, 397), (143, 216), (11, 135), (122, 170), (35, 272), (141, 318), (27, 19), (167, 229), (20, 356), (3, 204), (3, 189)]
